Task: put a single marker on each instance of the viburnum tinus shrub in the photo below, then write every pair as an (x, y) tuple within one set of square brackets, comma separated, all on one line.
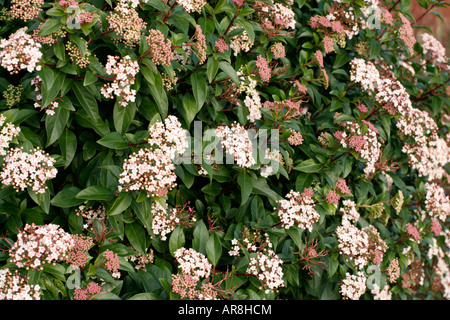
[(223, 150)]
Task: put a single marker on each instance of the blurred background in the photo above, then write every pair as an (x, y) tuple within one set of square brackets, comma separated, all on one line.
[(441, 30)]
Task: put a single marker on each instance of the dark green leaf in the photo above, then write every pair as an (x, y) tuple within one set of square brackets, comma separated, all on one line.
[(213, 249), (114, 140), (95, 193)]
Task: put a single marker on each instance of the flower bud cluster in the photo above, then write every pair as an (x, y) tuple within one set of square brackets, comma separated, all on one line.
[(13, 95), (92, 289), (25, 9), (125, 21), (15, 287), (393, 270), (112, 263), (264, 71), (278, 50), (186, 286), (76, 55), (221, 46), (406, 33), (295, 138), (377, 246), (200, 44), (78, 255), (289, 108), (159, 48), (342, 187)]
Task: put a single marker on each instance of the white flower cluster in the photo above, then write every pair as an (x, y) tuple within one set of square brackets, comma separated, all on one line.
[(364, 73), (252, 99), (377, 246), (236, 141), (368, 145), (15, 287), (297, 210), (192, 5), (266, 266), (193, 263), (169, 136), (90, 214), (22, 169), (240, 42), (384, 294), (19, 52), (276, 159), (353, 243), (353, 286), (50, 109), (392, 95), (235, 248), (7, 133), (124, 71), (40, 244), (349, 211), (434, 49), (371, 151), (166, 220), (437, 203), (284, 16), (429, 153), (251, 241), (151, 169), (443, 270), (141, 260)]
